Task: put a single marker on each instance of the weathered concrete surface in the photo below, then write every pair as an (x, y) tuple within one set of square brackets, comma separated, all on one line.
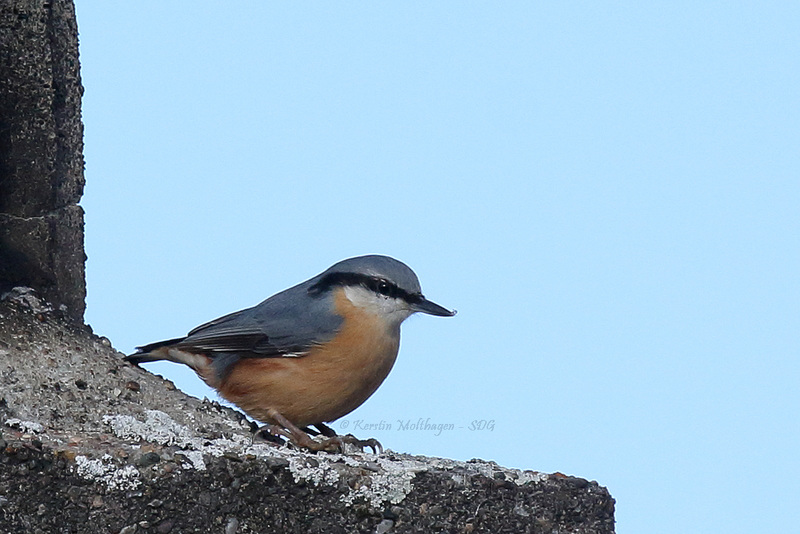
[(41, 147), (91, 444)]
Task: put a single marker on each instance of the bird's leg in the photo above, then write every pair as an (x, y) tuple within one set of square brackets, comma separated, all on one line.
[(271, 433), (296, 435), (325, 430), (332, 443)]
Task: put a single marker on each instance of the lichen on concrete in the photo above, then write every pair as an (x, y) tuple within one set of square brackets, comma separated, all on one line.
[(390, 486), (384, 479), (104, 470), (30, 427), (158, 427)]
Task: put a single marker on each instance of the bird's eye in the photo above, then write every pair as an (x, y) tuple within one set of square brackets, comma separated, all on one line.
[(384, 288)]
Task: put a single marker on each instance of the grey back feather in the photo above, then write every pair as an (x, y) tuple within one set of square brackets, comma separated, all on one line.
[(291, 321)]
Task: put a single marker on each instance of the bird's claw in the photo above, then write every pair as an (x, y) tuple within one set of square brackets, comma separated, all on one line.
[(340, 443), (334, 444)]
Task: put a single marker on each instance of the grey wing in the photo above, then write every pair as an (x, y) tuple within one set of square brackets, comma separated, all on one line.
[(286, 324)]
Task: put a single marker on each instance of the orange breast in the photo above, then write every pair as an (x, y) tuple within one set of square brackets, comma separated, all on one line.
[(329, 382)]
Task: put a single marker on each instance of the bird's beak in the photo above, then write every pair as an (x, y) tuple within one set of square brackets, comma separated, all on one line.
[(431, 308)]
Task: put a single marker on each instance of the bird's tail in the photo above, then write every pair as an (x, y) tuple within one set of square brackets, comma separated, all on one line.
[(153, 352)]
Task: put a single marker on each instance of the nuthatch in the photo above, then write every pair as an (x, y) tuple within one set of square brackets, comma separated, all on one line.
[(309, 354)]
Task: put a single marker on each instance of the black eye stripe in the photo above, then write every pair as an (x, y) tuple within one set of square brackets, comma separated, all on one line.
[(384, 287), (378, 285)]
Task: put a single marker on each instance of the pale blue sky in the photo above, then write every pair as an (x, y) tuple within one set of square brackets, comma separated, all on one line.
[(607, 193)]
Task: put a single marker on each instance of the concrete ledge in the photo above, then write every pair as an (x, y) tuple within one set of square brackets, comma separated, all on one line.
[(90, 444)]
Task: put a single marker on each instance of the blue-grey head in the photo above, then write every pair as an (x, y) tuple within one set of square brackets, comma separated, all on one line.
[(381, 284)]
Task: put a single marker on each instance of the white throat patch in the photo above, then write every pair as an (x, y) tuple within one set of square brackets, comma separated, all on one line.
[(390, 309)]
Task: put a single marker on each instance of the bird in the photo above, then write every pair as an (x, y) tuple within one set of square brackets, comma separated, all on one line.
[(307, 355)]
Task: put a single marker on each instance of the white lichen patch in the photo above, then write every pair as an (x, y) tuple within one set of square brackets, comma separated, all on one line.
[(104, 470), (29, 427), (389, 487), (390, 483), (158, 427), (394, 480), (386, 478), (485, 468), (218, 447), (529, 476), (321, 473), (195, 460)]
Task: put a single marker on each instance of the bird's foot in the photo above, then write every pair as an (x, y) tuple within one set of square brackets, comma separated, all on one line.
[(350, 439), (337, 444), (271, 433), (301, 439)]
